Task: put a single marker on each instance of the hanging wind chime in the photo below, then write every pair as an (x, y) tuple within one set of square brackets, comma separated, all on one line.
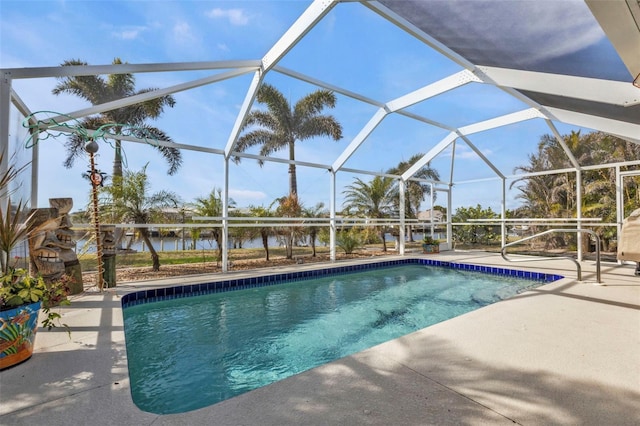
[(96, 178)]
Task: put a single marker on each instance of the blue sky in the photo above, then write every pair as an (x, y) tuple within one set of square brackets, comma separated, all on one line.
[(351, 47)]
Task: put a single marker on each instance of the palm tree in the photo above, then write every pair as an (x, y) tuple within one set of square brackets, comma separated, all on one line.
[(281, 126), (99, 90), (265, 231), (316, 211), (212, 206), (555, 195), (128, 200), (289, 206), (415, 191), (374, 200)]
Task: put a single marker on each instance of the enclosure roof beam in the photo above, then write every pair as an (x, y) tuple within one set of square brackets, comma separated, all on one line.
[(591, 89), (360, 138), (620, 21), (487, 125), (83, 70), (503, 120), (142, 97), (433, 152), (154, 142), (426, 92), (444, 85), (482, 156), (309, 18), (419, 34), (564, 146), (359, 97), (281, 160), (370, 173), (622, 129), (416, 32), (17, 101), (316, 82), (252, 92)]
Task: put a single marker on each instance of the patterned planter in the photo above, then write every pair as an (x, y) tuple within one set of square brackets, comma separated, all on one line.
[(430, 248), (17, 334)]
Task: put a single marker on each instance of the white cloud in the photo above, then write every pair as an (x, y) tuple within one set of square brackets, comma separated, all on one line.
[(182, 31), (463, 152), (129, 33), (235, 16)]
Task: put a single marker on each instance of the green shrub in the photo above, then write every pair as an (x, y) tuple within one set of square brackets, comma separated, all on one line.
[(349, 240)]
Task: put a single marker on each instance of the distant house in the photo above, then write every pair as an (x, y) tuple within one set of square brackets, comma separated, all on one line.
[(425, 216)]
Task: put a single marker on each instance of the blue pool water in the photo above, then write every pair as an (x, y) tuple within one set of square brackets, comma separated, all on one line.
[(189, 353)]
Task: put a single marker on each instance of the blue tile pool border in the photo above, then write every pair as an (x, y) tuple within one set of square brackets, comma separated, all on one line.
[(190, 290)]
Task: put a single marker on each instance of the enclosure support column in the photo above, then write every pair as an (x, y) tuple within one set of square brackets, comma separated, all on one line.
[(449, 195), (432, 201), (503, 212), (579, 211), (332, 215), (402, 185), (5, 107), (449, 216), (619, 206), (225, 214), (34, 169)]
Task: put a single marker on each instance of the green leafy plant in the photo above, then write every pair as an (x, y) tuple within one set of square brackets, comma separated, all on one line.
[(429, 240), (18, 288), (349, 240)]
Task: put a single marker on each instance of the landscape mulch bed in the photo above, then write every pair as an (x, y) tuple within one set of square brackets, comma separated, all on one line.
[(167, 271)]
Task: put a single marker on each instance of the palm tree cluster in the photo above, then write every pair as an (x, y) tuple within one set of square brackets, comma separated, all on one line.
[(380, 199), (212, 206), (277, 127), (554, 195)]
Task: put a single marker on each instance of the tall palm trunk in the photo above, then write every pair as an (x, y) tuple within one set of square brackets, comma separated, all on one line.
[(265, 242), (116, 178), (155, 259), (312, 237), (293, 179), (117, 161), (384, 241), (290, 238)]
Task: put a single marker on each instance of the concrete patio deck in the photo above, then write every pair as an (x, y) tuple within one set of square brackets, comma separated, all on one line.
[(565, 353)]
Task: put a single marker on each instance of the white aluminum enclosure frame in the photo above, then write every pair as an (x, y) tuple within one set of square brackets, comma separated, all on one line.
[(509, 81)]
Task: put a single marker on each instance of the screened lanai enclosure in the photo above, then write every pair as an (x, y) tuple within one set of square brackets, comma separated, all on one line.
[(467, 88)]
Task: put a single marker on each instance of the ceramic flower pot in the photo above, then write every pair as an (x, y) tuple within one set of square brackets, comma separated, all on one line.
[(18, 333), (430, 248)]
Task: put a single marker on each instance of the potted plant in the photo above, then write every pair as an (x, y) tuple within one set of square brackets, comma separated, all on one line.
[(430, 245), (21, 299), (21, 296)]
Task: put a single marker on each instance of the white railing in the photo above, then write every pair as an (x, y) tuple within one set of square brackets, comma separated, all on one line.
[(503, 251)]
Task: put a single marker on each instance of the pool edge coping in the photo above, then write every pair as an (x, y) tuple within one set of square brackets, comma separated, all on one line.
[(156, 294)]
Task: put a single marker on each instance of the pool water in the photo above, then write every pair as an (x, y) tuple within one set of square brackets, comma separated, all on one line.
[(189, 353)]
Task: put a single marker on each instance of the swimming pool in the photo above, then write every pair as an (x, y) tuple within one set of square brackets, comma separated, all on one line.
[(187, 354)]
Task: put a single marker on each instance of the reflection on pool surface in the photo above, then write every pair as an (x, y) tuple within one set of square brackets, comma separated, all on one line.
[(188, 353)]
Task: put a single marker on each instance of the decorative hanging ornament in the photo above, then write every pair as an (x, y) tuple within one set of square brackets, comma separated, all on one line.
[(91, 146)]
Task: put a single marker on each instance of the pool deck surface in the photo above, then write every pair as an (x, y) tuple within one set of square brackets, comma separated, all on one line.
[(565, 353)]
